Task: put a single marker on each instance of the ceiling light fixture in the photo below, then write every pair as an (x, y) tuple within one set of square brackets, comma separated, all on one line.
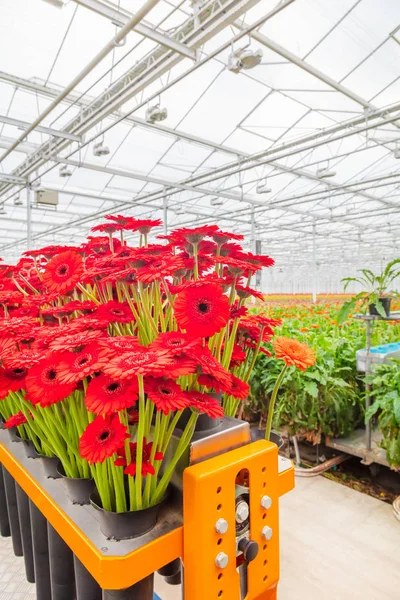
[(56, 3), (178, 209), (155, 114), (2, 210), (100, 149), (244, 58), (325, 172), (262, 187), (18, 201), (396, 151), (216, 201), (65, 171)]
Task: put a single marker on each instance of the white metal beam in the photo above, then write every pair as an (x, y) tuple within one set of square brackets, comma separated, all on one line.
[(47, 130), (120, 17)]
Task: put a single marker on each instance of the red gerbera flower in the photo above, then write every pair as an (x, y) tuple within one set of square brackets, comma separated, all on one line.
[(140, 361), (211, 382), (144, 226), (115, 312), (223, 236), (105, 395), (239, 389), (238, 311), (166, 394), (179, 366), (210, 365), (74, 366), (147, 467), (106, 228), (24, 359), (246, 292), (202, 311), (119, 345), (158, 268), (102, 438), (12, 380), (15, 420), (238, 356), (175, 341), (74, 340), (43, 382), (63, 272), (195, 234), (204, 403)]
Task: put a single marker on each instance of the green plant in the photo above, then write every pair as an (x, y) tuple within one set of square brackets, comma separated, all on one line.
[(375, 286), (385, 382)]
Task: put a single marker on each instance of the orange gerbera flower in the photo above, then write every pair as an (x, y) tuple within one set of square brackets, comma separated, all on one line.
[(294, 352)]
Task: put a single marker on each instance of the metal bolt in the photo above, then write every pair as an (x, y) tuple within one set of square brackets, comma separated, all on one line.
[(221, 560), (266, 532), (221, 526), (242, 512), (266, 502)]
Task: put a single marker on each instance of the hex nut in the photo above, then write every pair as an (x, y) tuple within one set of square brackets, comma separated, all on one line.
[(221, 560), (266, 532), (242, 512), (266, 502), (221, 526)]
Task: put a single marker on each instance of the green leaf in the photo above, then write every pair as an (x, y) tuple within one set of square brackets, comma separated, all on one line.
[(345, 311), (396, 408), (311, 388)]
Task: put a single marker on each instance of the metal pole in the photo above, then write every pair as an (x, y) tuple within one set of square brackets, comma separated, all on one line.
[(253, 230), (142, 590), (165, 211), (314, 277), (28, 219), (368, 426)]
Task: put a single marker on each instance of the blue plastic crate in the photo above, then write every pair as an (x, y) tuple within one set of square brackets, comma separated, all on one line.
[(155, 597)]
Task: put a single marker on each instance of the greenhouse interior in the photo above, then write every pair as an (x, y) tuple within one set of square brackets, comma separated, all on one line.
[(200, 299)]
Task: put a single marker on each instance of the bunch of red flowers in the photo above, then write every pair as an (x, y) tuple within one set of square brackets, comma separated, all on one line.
[(103, 346)]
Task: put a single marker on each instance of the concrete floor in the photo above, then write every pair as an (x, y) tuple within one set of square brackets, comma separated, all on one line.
[(336, 544)]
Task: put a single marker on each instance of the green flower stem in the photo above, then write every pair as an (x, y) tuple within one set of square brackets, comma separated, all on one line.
[(156, 438), (254, 358), (139, 447), (170, 431), (149, 417), (182, 446), (117, 475), (165, 419), (272, 402), (159, 304), (196, 261)]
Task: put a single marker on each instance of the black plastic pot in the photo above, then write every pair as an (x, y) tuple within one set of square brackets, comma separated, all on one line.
[(386, 302), (62, 575), (13, 433), (142, 590), (4, 522), (172, 572), (40, 547), (29, 449), (12, 509), (126, 525), (50, 466), (86, 586), (204, 422), (259, 434), (78, 490), (26, 533)]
